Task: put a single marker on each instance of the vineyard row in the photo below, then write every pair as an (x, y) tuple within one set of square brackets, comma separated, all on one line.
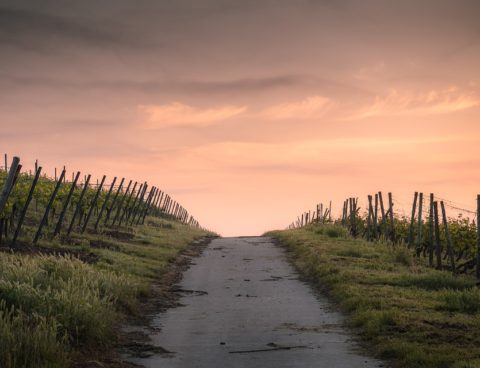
[(35, 206), (449, 243)]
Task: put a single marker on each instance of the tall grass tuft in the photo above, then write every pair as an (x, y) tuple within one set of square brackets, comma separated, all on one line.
[(462, 301), (50, 302), (29, 340)]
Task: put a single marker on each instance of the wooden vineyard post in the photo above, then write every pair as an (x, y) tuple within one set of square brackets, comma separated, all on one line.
[(370, 218), (412, 220), (47, 210), (353, 216), (438, 246), (430, 232), (127, 205), (142, 205), (392, 223), (382, 210), (163, 205), (168, 202), (375, 217), (7, 187), (124, 197), (447, 236), (348, 220), (166, 207), (420, 225), (6, 162), (114, 201), (65, 205), (351, 219), (171, 202), (153, 204), (25, 207), (79, 204), (93, 204), (158, 205), (478, 236), (105, 202), (148, 207), (325, 215), (138, 198)]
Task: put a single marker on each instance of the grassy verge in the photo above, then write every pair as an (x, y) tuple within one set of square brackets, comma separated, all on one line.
[(51, 305), (408, 313)]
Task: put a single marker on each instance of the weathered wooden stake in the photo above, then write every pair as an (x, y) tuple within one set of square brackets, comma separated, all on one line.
[(138, 196), (382, 210), (412, 220), (438, 245), (375, 217), (392, 223), (79, 204), (105, 202), (58, 227), (420, 226), (47, 210), (449, 239), (141, 206), (25, 207), (430, 232), (370, 218), (7, 187), (149, 206), (93, 204), (127, 205), (114, 201)]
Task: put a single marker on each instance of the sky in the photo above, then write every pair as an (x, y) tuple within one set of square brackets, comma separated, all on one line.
[(248, 112)]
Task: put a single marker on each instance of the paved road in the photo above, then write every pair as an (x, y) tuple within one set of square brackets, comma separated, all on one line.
[(249, 309)]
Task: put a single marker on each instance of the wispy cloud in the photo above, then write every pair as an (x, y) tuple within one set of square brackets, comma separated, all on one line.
[(310, 107), (370, 72), (179, 114), (398, 102)]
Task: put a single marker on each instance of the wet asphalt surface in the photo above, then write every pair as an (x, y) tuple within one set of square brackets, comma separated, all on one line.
[(243, 306)]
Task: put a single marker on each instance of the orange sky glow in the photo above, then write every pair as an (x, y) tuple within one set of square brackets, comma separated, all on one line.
[(248, 112)]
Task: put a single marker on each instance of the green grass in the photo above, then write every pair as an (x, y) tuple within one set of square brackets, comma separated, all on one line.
[(408, 313), (52, 305)]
